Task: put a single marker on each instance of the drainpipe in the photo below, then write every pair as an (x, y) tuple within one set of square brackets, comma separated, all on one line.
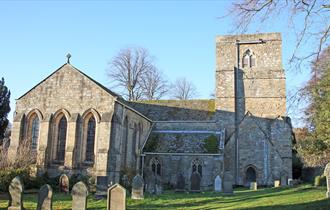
[(236, 74)]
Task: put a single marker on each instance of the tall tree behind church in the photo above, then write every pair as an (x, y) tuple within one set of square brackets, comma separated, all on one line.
[(128, 70), (4, 108)]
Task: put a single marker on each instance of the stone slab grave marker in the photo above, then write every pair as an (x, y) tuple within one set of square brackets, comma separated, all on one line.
[(64, 183), (45, 198), (116, 197), (101, 187), (137, 187), (228, 183), (277, 183), (16, 188), (180, 183), (158, 186), (195, 182), (327, 174), (284, 178), (290, 182), (217, 184), (253, 186), (79, 194)]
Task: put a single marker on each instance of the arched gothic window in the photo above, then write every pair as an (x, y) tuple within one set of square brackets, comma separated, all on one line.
[(197, 165), (248, 59), (90, 140), (34, 131), (61, 139), (251, 175), (156, 167)]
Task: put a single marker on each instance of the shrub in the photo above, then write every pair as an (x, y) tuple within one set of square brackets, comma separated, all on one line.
[(6, 176)]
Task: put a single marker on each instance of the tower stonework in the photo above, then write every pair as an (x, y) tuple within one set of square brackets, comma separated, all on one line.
[(260, 83)]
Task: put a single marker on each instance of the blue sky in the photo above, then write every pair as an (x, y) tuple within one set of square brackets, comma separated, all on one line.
[(35, 36)]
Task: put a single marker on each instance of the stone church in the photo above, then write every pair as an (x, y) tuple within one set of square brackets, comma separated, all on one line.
[(75, 125)]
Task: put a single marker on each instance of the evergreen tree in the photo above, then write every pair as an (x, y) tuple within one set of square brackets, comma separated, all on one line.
[(4, 107)]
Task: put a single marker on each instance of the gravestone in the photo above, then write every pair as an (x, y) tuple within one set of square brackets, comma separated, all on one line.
[(101, 187), (284, 180), (151, 184), (253, 186), (137, 187), (276, 183), (45, 197), (290, 182), (217, 184), (16, 194), (158, 186), (64, 183), (228, 183), (195, 182), (180, 183), (125, 181), (116, 198), (327, 174), (79, 194)]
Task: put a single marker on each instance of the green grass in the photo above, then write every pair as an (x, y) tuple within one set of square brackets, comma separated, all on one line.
[(302, 197)]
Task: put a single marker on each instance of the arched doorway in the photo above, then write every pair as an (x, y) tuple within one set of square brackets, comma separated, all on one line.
[(251, 175)]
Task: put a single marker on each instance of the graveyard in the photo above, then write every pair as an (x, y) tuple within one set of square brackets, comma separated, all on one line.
[(303, 196)]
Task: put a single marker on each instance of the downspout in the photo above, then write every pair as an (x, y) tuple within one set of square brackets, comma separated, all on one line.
[(236, 74)]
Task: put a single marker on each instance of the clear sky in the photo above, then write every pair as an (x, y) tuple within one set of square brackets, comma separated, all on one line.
[(35, 37)]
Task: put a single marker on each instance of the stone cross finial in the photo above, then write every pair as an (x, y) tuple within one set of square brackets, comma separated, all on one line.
[(68, 56)]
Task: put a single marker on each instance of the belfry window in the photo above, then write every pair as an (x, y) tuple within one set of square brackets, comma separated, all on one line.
[(249, 59), (90, 140), (61, 139)]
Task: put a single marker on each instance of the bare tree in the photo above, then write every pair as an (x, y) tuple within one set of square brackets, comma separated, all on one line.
[(153, 85), (315, 27), (126, 70), (183, 89)]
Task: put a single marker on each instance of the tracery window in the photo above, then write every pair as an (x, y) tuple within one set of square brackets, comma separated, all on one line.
[(248, 59), (90, 140), (197, 165), (61, 139), (156, 167)]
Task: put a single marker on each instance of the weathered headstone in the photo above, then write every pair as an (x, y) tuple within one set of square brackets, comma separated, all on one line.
[(253, 186), (64, 183), (180, 183), (45, 197), (137, 187), (16, 194), (276, 183), (79, 196), (228, 183), (151, 184), (284, 180), (195, 182), (101, 187), (217, 184), (327, 174), (116, 198), (158, 186), (290, 182)]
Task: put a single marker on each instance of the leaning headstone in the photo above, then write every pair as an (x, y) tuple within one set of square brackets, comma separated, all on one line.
[(16, 194), (327, 174), (195, 182), (180, 183), (45, 197), (64, 183), (79, 196), (217, 184), (253, 186), (116, 198), (228, 183), (137, 187), (276, 183)]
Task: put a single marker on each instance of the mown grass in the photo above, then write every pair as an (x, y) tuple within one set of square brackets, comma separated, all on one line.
[(297, 198)]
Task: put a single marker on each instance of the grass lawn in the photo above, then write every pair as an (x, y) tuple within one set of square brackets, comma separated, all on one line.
[(301, 197)]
